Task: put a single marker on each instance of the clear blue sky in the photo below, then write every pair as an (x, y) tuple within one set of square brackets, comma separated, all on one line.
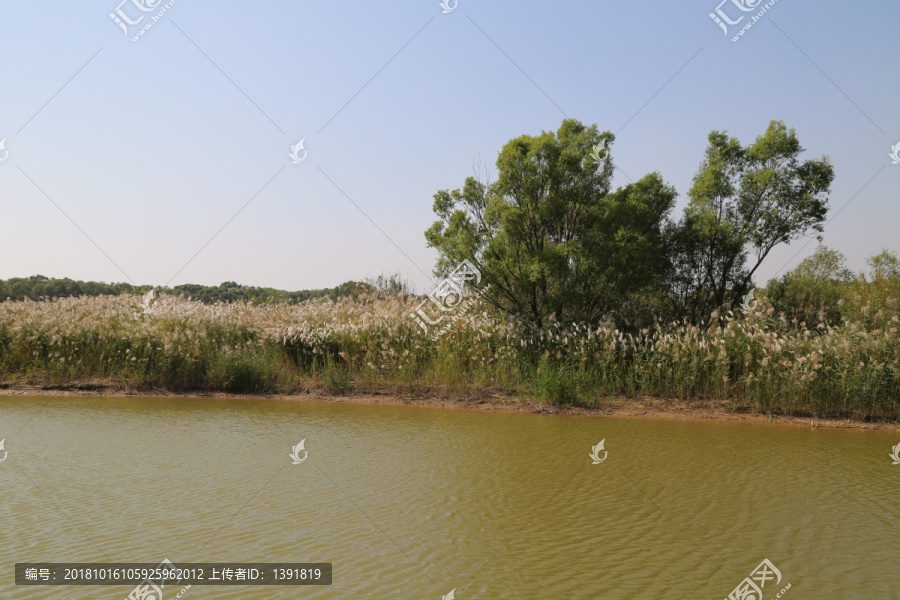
[(154, 145)]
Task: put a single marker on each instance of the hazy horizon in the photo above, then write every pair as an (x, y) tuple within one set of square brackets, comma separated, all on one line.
[(166, 160)]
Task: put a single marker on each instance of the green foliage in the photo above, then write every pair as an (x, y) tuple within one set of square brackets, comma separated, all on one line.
[(552, 238), (230, 291), (548, 236), (874, 300), (554, 385), (812, 292), (390, 285), (744, 202), (884, 265), (822, 290), (38, 287)]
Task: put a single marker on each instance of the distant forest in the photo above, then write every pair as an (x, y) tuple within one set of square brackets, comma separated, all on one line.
[(38, 287)]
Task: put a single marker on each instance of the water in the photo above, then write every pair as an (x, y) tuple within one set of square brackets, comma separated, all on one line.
[(411, 502)]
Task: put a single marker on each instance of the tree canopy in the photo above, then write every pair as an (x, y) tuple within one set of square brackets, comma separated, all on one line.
[(745, 200), (551, 238), (39, 286)]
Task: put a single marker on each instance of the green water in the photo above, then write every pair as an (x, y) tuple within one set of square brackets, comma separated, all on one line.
[(411, 502)]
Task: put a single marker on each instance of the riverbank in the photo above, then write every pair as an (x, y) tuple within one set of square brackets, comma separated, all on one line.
[(637, 408), (369, 347)]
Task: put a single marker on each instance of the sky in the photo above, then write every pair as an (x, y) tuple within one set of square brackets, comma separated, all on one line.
[(166, 160)]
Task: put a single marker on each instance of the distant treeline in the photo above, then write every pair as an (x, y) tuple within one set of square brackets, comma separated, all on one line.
[(39, 287)]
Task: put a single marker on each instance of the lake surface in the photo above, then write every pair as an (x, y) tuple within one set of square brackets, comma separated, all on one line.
[(411, 502)]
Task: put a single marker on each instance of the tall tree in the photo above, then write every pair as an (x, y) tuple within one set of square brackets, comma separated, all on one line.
[(549, 236), (744, 202)]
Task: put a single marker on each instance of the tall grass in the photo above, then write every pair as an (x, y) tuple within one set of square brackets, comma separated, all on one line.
[(369, 344)]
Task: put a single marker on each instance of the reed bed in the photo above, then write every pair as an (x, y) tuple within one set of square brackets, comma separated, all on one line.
[(369, 344)]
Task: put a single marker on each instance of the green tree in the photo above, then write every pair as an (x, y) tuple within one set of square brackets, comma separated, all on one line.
[(39, 286), (874, 297), (744, 202), (812, 292), (884, 265), (393, 284), (548, 236)]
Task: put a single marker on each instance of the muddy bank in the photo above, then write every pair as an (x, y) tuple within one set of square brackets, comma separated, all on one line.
[(649, 408)]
